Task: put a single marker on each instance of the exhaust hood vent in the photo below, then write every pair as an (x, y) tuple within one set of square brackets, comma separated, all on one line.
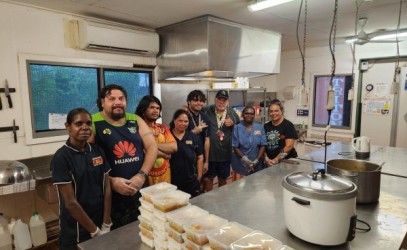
[(214, 49)]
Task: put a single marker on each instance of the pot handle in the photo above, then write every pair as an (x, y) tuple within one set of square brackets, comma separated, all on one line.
[(301, 201)]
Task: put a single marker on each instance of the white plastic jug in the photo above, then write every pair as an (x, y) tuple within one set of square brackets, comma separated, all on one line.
[(5, 239), (38, 230), (11, 225), (22, 239)]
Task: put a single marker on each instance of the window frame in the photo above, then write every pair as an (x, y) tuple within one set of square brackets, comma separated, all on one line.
[(36, 137), (346, 92)]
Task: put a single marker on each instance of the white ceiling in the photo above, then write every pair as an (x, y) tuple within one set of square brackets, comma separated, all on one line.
[(382, 14)]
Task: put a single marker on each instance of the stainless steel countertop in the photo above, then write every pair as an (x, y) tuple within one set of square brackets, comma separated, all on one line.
[(256, 201), (394, 159)]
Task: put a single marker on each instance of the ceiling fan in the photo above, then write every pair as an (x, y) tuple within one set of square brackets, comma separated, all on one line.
[(375, 37)]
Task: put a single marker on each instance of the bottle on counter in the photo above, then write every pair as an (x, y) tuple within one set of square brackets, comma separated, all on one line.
[(38, 230), (11, 225), (5, 239), (22, 239)]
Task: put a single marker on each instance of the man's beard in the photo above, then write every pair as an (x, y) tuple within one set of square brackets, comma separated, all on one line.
[(117, 116)]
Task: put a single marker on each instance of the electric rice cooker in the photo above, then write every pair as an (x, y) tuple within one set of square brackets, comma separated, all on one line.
[(320, 208)]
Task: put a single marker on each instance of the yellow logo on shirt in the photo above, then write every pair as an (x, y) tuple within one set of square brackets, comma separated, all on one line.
[(257, 132), (188, 142), (97, 161), (107, 131)]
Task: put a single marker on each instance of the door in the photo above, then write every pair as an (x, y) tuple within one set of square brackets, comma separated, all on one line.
[(384, 114), (401, 132)]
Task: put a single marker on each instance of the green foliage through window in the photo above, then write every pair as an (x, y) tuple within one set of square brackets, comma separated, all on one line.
[(55, 89)]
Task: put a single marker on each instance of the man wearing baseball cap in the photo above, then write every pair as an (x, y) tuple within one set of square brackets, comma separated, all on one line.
[(222, 118)]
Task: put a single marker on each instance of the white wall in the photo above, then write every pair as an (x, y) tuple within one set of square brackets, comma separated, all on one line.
[(318, 61), (29, 33)]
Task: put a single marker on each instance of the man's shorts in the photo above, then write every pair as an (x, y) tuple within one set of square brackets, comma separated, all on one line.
[(219, 169)]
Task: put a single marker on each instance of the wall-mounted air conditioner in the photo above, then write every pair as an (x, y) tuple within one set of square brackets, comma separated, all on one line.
[(108, 38)]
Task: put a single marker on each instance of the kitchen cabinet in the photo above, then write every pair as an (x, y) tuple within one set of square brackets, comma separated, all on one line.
[(239, 98)]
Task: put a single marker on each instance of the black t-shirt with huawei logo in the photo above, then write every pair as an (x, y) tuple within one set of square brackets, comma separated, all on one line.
[(122, 145)]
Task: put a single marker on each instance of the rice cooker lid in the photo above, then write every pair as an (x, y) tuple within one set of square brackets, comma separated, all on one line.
[(324, 187)]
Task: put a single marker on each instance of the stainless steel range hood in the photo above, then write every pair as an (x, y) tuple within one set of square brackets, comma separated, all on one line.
[(214, 49)]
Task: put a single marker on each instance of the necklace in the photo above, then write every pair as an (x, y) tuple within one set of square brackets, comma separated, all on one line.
[(192, 117), (220, 120)]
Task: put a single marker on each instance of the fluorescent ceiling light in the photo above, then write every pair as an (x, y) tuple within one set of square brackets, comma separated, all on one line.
[(259, 5)]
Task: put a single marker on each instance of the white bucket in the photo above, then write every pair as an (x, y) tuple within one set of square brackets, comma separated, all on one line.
[(5, 239), (22, 239), (38, 230)]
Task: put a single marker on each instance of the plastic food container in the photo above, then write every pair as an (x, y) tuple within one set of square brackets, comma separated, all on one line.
[(190, 245), (145, 223), (161, 235), (146, 214), (257, 240), (160, 244), (160, 215), (174, 235), (159, 225), (196, 229), (147, 233), (149, 242), (179, 217), (146, 205), (148, 192), (170, 200), (173, 244), (222, 237)]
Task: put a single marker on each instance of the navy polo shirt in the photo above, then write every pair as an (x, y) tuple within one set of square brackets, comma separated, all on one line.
[(86, 172), (205, 132), (183, 162)]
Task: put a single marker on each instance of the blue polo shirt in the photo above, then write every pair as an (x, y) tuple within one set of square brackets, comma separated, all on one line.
[(86, 172)]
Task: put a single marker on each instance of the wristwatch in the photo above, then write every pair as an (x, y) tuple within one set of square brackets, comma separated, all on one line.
[(143, 173)]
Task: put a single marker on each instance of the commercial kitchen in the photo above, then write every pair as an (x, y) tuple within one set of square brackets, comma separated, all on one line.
[(209, 45)]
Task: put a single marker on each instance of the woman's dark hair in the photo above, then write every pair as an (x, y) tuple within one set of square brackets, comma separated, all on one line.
[(196, 95), (278, 103), (106, 90), (71, 115), (246, 108), (144, 103), (177, 114)]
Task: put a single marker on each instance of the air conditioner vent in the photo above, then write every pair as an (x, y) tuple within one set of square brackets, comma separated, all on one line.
[(97, 47), (108, 38)]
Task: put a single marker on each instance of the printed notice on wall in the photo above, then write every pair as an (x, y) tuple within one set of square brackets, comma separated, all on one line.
[(56, 121), (377, 106)]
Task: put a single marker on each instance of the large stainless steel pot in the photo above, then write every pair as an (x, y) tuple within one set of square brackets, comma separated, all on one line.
[(13, 172), (366, 176), (320, 209)]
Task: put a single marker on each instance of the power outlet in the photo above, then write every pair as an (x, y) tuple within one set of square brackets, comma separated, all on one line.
[(302, 112)]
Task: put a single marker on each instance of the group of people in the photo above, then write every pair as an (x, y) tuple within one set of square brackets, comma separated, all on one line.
[(109, 156)]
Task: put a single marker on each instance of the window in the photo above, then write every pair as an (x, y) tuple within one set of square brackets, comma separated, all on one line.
[(341, 115), (56, 88)]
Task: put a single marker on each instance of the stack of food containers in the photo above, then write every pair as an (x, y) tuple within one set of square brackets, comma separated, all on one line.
[(147, 209), (176, 221), (168, 221), (164, 198), (196, 231)]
